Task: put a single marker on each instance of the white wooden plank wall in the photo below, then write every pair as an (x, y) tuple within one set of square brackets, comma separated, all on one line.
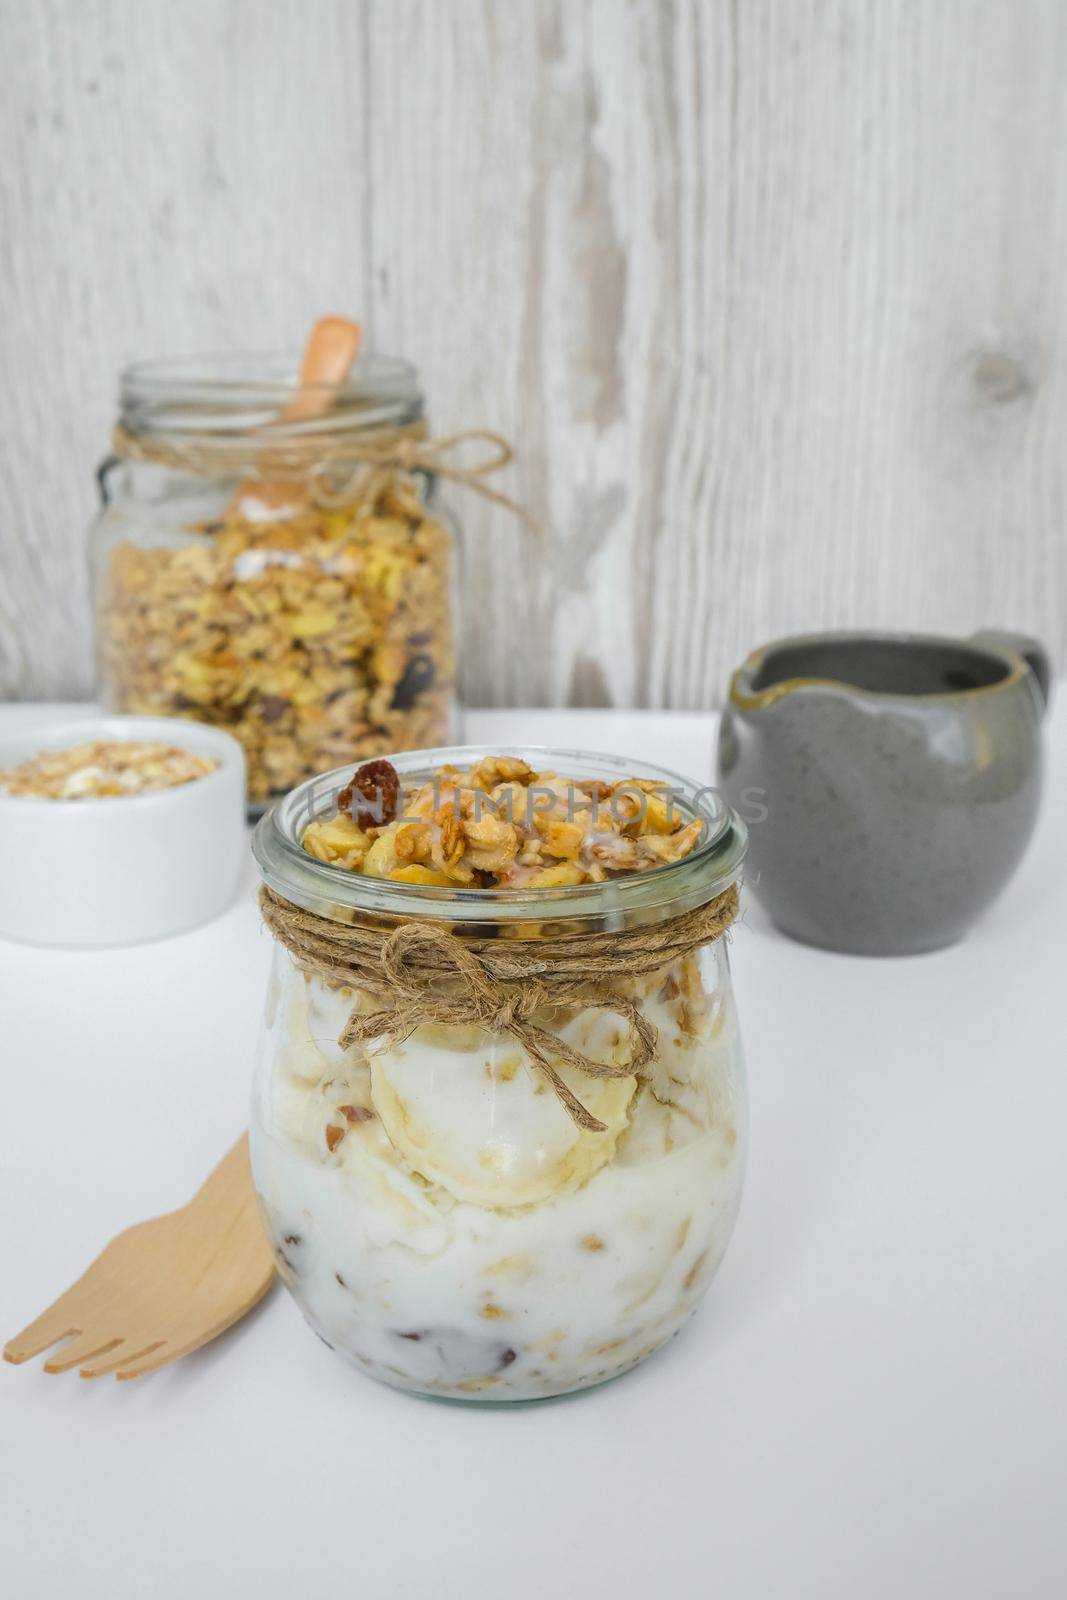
[(770, 294)]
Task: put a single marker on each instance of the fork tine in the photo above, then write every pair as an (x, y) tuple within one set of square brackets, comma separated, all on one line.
[(65, 1316), (193, 1334), (160, 1354), (185, 1275), (58, 1322), (80, 1349), (98, 1366)]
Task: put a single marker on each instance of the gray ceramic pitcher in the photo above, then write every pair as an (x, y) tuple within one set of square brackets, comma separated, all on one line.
[(890, 781)]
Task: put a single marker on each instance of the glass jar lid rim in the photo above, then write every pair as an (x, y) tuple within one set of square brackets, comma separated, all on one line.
[(235, 391), (334, 893)]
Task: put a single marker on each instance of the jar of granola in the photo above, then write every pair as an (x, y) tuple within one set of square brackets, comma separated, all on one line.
[(498, 1123), (285, 576)]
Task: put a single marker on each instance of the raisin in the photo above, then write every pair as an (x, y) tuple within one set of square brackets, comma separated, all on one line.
[(417, 678), (272, 707), (378, 787)]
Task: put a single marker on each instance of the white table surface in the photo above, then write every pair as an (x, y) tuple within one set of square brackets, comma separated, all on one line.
[(871, 1403)]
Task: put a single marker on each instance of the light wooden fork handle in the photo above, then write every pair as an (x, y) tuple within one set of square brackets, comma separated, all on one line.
[(164, 1287)]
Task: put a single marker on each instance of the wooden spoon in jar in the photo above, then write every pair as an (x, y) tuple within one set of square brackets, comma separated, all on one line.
[(332, 347)]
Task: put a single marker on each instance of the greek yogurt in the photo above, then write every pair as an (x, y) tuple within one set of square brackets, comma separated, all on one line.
[(441, 1220)]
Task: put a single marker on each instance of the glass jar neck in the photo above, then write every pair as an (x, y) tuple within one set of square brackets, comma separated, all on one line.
[(241, 397), (618, 903)]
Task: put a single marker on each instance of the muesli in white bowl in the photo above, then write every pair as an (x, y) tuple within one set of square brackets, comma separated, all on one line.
[(498, 1124), (104, 769), (116, 830)]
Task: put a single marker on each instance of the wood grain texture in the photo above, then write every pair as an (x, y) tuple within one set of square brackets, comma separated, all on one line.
[(769, 294)]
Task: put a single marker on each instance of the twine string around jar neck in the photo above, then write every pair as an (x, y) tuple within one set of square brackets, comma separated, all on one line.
[(340, 465), (422, 973)]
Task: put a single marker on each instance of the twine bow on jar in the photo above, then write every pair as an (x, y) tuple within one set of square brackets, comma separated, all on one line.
[(422, 973), (340, 466)]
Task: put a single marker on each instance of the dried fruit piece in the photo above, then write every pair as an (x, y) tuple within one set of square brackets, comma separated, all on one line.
[(272, 707), (561, 838), (416, 873), (418, 676), (372, 795)]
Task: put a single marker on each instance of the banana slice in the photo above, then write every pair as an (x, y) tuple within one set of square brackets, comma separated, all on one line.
[(471, 1112), (304, 1058), (327, 1012)]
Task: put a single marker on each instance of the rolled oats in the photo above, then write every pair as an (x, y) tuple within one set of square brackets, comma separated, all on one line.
[(104, 769)]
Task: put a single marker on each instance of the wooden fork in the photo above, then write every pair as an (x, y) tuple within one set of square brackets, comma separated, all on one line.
[(162, 1288)]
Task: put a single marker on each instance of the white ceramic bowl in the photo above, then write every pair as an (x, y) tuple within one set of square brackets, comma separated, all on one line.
[(126, 868)]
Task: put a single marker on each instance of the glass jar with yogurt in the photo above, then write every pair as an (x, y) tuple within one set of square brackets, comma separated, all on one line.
[(440, 1214)]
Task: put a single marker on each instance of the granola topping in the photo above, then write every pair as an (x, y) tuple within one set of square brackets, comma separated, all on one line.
[(500, 824), (102, 768)]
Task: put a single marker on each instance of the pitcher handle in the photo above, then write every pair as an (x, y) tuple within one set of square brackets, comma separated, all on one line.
[(1032, 651)]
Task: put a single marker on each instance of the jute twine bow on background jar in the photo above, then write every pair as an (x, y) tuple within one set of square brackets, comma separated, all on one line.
[(340, 467), (421, 973)]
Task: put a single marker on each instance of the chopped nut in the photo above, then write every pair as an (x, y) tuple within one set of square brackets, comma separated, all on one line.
[(448, 846), (413, 841), (356, 1113), (615, 852), (493, 844), (695, 1270), (333, 1136), (486, 774)]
